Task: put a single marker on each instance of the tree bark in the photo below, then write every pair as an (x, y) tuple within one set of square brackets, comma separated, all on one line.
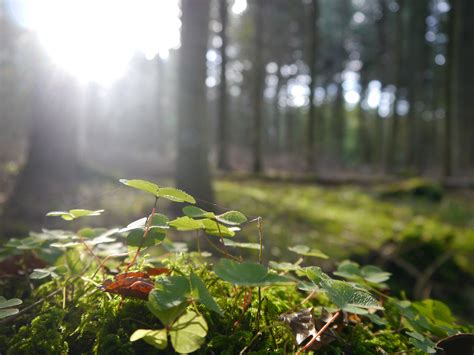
[(449, 87), (192, 170), (222, 119), (259, 77), (394, 129), (310, 148), (47, 181)]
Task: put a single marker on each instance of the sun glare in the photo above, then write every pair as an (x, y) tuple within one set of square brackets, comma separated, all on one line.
[(95, 40)]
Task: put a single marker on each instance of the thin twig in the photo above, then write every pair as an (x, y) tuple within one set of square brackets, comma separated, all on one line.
[(26, 309), (107, 258), (260, 260), (320, 332), (224, 252), (255, 338), (147, 228)]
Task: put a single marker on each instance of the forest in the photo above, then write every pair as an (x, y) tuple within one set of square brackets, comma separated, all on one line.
[(236, 176)]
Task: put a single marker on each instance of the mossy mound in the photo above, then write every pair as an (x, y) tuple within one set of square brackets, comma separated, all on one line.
[(416, 187)]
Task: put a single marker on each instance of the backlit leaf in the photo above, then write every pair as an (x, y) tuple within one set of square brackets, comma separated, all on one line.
[(186, 224), (201, 292), (344, 295), (156, 338), (196, 212), (175, 195), (232, 218), (307, 251), (188, 333), (143, 185)]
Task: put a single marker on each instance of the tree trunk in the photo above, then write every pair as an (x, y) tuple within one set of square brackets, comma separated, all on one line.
[(310, 148), (465, 111), (394, 129), (259, 78), (192, 170), (222, 120), (451, 78), (47, 181)]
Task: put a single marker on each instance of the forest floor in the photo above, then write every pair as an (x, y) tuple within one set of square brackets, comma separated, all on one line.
[(343, 221)]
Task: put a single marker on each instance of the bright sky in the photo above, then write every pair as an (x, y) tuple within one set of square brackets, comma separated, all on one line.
[(95, 39)]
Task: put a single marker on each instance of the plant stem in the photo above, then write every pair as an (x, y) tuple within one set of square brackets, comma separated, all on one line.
[(197, 241), (224, 252), (320, 332), (260, 260), (260, 236), (255, 338), (147, 228)]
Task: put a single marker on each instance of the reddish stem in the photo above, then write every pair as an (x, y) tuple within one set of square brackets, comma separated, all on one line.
[(147, 228), (320, 332)]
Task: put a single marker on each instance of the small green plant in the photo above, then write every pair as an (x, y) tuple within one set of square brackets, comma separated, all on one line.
[(171, 298)]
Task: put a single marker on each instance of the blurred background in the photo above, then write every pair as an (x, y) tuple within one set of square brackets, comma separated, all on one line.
[(347, 124)]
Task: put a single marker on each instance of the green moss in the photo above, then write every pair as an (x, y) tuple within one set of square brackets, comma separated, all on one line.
[(45, 335)]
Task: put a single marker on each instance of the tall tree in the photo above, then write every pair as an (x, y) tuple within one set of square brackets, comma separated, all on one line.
[(465, 83), (310, 148), (397, 74), (418, 49), (48, 178), (450, 90), (192, 170), (258, 85), (222, 117)]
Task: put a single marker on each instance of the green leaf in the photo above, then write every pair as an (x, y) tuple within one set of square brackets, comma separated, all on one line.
[(196, 212), (374, 318), (38, 274), (342, 294), (211, 227), (4, 303), (231, 243), (154, 236), (201, 292), (306, 251), (284, 266), (275, 279), (175, 195), (156, 338), (374, 274), (143, 185), (74, 214), (5, 310), (157, 221), (168, 193), (186, 224), (170, 297), (4, 313), (370, 273), (247, 274), (243, 274), (188, 333), (422, 343), (232, 218)]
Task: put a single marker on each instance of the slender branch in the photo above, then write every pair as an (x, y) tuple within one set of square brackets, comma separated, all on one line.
[(259, 333), (320, 332), (198, 242), (428, 273), (26, 309), (260, 236), (107, 258), (147, 228), (94, 255), (260, 260), (224, 252), (311, 295)]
